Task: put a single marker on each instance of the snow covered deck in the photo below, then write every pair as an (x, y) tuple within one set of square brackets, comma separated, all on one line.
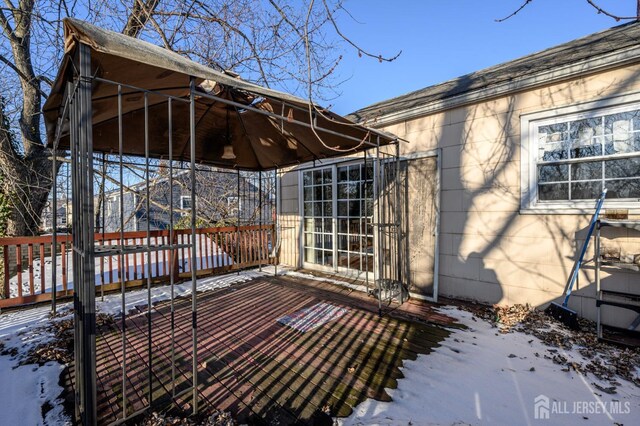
[(492, 372), (256, 367)]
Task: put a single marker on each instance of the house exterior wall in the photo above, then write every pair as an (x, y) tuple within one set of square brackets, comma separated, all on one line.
[(489, 250), (112, 212), (289, 218)]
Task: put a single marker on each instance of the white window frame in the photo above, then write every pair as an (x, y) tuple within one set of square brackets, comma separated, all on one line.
[(234, 204), (529, 203), (63, 216), (182, 198), (113, 206)]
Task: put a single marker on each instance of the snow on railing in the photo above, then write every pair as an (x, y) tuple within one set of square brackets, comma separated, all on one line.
[(28, 261)]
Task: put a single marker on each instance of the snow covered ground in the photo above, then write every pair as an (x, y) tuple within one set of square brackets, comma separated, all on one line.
[(481, 377), (478, 376), (26, 389)]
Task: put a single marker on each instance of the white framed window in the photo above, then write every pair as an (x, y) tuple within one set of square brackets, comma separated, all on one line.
[(62, 216), (185, 202), (112, 206), (569, 155), (234, 203)]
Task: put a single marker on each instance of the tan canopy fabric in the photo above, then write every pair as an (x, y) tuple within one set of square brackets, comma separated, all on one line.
[(266, 128)]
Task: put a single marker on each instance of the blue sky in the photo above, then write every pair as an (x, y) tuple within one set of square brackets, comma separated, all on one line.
[(443, 39)]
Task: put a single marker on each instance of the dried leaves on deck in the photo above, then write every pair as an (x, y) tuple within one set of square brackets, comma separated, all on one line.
[(60, 348), (217, 418)]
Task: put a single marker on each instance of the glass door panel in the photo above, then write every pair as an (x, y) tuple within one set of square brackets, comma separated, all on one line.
[(318, 216), (351, 242), (354, 216)]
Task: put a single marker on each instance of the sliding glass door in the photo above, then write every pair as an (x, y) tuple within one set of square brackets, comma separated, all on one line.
[(338, 216)]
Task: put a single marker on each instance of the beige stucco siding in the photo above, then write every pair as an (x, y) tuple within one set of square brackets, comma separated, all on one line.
[(489, 251)]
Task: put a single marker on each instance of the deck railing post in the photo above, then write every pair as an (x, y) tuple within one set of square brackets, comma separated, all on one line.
[(5, 253)]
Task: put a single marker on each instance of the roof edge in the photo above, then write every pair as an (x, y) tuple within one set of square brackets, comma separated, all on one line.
[(584, 67)]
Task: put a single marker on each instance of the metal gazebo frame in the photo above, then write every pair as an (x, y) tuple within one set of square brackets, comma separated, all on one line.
[(72, 125)]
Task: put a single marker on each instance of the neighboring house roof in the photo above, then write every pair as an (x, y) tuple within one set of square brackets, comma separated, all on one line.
[(610, 48)]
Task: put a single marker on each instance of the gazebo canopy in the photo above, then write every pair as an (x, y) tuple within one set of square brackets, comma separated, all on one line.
[(267, 128)]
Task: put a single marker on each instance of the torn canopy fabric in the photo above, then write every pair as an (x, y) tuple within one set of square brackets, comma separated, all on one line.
[(132, 79)]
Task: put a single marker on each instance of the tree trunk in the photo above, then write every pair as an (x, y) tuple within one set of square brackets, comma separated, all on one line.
[(27, 171), (29, 188), (27, 180), (27, 184)]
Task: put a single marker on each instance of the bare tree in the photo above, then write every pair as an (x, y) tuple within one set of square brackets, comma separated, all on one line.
[(591, 3), (294, 45)]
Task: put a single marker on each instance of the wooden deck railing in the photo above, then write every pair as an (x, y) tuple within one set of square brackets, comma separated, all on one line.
[(28, 260)]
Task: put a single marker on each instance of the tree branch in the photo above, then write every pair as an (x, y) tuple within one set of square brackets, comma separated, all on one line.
[(592, 3), (238, 31), (210, 17), (611, 15), (25, 77), (348, 40), (140, 14), (286, 19), (161, 33), (7, 143), (522, 6), (6, 27), (22, 20)]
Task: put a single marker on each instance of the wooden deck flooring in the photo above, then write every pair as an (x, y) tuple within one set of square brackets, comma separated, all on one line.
[(261, 371)]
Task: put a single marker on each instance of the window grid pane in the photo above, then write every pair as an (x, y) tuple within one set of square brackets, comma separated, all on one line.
[(318, 229), (578, 139), (353, 218), (355, 238)]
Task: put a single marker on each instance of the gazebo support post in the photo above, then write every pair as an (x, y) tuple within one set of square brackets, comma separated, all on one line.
[(365, 227), (377, 278), (237, 242), (194, 266), (274, 241), (173, 253), (54, 230), (83, 244), (122, 266), (260, 221)]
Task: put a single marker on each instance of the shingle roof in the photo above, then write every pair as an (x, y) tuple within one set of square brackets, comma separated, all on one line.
[(591, 46)]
